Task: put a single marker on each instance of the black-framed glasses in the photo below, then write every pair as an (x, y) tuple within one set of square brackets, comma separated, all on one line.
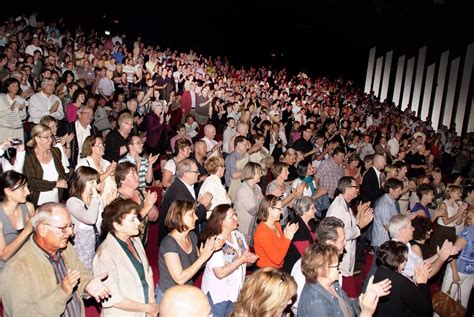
[(334, 266), (64, 228), (277, 207), (197, 172), (353, 186)]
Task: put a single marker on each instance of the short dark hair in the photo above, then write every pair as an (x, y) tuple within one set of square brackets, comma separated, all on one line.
[(302, 168), (122, 170), (115, 212), (421, 226), (424, 189), (392, 183), (11, 180), (239, 139), (338, 150), (327, 229), (174, 216), (391, 254)]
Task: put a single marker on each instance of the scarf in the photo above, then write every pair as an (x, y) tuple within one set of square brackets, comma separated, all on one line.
[(310, 181)]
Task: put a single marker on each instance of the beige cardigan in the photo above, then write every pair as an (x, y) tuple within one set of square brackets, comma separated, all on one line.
[(29, 286), (123, 280)]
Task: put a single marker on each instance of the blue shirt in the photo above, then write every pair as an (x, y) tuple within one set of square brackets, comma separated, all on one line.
[(418, 206), (466, 258), (385, 208)]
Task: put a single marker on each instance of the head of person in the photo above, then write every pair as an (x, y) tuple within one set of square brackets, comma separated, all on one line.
[(181, 216), (222, 219), (469, 217), (280, 170), (51, 122), (13, 187), (391, 171), (304, 169), (184, 301), (85, 115), (183, 148), (83, 181), (436, 174), (187, 171), (11, 85), (120, 217), (242, 128), (126, 175), (304, 206), (393, 187), (48, 85), (125, 122), (134, 145), (41, 136), (353, 161), (79, 96), (425, 192), (267, 292), (338, 155), (331, 231), (200, 148), (93, 146), (402, 169), (348, 187), (393, 255), (400, 228), (215, 166), (306, 132), (209, 131), (270, 208), (241, 144), (379, 162), (422, 228), (52, 226), (453, 192), (251, 172), (320, 262), (289, 156)]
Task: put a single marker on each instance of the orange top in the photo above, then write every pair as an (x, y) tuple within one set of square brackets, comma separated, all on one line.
[(270, 248)]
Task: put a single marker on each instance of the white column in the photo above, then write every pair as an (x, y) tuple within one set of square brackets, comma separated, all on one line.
[(378, 76), (470, 127), (425, 108), (370, 71), (420, 69), (398, 80), (386, 75), (461, 114), (448, 105), (408, 82), (443, 65)]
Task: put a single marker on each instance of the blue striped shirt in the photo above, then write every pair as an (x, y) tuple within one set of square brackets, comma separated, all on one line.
[(385, 208)]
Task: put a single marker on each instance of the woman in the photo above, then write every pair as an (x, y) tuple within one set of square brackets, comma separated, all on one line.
[(225, 271), (289, 157), (126, 178), (305, 171), (213, 185), (305, 213), (12, 111), (270, 241), (446, 226), (92, 152), (408, 186), (180, 259), (267, 292), (122, 256), (78, 99), (85, 207), (247, 199), (461, 269), (15, 214), (183, 148), (353, 168), (155, 129), (62, 143), (407, 297), (43, 167), (421, 234)]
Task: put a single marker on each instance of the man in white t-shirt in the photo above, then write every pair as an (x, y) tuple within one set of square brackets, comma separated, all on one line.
[(213, 147), (34, 46)]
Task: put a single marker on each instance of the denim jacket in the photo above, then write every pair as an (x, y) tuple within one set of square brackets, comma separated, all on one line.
[(316, 301)]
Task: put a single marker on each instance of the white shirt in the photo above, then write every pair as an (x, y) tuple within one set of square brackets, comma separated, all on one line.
[(49, 174), (213, 185), (377, 172), (394, 146), (210, 144), (193, 99), (81, 134), (40, 104), (228, 134), (190, 188), (30, 49)]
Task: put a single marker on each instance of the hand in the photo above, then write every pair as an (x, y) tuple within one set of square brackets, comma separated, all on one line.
[(97, 289), (208, 248), (290, 231), (62, 183), (28, 225), (54, 107), (447, 250), (248, 257), (152, 159), (363, 207), (206, 199), (365, 215), (70, 281), (153, 310), (381, 288), (456, 278), (150, 200), (299, 189), (5, 144), (368, 303), (440, 212), (111, 168), (422, 272)]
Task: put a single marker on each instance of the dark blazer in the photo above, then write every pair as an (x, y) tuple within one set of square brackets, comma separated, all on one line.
[(339, 140), (303, 234), (370, 189), (75, 150), (177, 191), (405, 299)]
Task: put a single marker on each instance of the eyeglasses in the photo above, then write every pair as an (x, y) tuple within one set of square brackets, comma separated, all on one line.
[(334, 266), (99, 145), (275, 207), (47, 137), (63, 229), (353, 186), (197, 172)]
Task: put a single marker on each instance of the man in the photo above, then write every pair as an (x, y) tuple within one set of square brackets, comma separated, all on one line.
[(213, 147), (45, 102), (106, 86), (116, 145), (81, 129), (304, 144), (340, 208), (184, 301), (144, 166), (401, 230), (45, 277), (189, 98), (199, 157), (372, 184), (34, 46), (341, 138), (183, 189), (394, 144), (330, 171), (241, 129)]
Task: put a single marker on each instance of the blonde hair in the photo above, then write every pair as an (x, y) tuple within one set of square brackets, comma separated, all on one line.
[(264, 293), (469, 217), (212, 164), (249, 171), (38, 131), (451, 189)]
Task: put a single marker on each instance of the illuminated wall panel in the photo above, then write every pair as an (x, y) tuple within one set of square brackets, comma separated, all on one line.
[(398, 80), (425, 107), (443, 65), (370, 71), (420, 70), (386, 75), (408, 82)]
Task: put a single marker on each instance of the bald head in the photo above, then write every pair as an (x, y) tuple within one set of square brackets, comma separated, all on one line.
[(184, 301), (379, 162)]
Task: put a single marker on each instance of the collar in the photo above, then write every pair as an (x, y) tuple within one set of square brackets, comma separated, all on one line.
[(55, 258)]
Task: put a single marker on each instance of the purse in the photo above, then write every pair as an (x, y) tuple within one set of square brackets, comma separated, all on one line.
[(446, 306)]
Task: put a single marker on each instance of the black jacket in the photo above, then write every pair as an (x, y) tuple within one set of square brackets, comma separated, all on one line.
[(71, 128), (303, 234), (370, 189)]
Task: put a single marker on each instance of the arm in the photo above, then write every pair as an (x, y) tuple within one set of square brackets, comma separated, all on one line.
[(34, 181), (79, 211), (166, 180), (179, 275), (8, 250), (271, 247)]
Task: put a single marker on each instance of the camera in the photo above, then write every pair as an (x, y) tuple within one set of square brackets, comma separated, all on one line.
[(15, 142)]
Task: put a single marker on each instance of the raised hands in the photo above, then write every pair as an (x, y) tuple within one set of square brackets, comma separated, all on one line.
[(290, 231), (206, 199), (97, 289), (422, 272), (248, 257), (447, 249), (365, 214)]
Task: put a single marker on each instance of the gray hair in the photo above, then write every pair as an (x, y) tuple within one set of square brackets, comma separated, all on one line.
[(344, 182), (396, 223), (44, 213), (327, 229), (249, 171), (378, 158), (183, 167), (46, 81), (302, 204), (84, 107)]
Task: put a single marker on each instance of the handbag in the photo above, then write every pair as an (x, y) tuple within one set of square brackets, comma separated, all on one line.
[(446, 306)]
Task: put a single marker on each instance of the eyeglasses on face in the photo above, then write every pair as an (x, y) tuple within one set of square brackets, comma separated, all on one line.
[(64, 229), (334, 266), (47, 137)]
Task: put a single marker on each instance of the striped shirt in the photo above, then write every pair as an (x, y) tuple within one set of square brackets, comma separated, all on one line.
[(143, 169), (385, 208)]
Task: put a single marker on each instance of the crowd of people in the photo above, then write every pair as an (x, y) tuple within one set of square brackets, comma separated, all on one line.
[(276, 187)]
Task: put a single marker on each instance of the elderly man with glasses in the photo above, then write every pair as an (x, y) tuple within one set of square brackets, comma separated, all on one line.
[(46, 277)]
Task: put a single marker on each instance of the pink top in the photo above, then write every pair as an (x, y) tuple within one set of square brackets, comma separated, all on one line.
[(71, 111)]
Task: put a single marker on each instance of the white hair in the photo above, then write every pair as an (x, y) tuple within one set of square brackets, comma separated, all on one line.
[(396, 223)]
